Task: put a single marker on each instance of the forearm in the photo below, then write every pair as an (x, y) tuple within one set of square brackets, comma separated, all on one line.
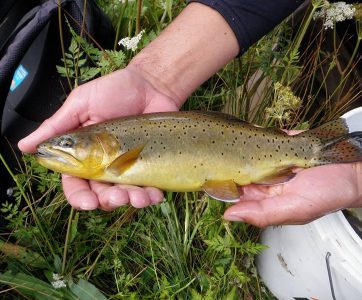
[(192, 48)]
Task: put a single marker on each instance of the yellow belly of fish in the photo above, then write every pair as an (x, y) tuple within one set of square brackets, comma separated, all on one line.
[(183, 175)]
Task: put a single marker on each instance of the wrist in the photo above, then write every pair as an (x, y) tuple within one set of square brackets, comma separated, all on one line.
[(157, 85), (192, 48)]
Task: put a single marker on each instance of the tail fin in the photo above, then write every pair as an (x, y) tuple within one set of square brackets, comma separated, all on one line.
[(338, 143)]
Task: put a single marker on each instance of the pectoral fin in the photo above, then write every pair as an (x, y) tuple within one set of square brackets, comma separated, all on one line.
[(281, 177), (226, 191), (123, 162)]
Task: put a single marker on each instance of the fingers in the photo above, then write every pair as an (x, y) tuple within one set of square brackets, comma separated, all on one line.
[(277, 210), (79, 193), (69, 116), (119, 195), (89, 195), (269, 211)]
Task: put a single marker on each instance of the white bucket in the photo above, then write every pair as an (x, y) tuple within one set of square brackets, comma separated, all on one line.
[(295, 266)]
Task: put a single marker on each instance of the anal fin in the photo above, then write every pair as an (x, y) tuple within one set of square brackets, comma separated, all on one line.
[(226, 191), (280, 177)]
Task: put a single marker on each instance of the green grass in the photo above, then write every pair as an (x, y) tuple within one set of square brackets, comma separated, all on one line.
[(181, 249)]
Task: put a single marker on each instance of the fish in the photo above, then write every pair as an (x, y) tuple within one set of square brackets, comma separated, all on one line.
[(196, 151)]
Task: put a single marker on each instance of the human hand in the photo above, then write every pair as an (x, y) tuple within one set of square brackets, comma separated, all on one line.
[(124, 92), (311, 194), (159, 78)]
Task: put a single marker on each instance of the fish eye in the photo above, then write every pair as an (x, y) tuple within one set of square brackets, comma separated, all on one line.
[(66, 142)]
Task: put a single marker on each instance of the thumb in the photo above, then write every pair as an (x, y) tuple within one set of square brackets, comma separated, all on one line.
[(275, 210), (69, 116)]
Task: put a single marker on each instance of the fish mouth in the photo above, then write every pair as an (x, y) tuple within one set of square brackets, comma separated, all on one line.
[(56, 155), (43, 153)]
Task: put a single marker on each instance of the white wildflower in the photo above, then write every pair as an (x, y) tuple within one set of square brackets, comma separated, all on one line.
[(131, 43), (163, 5), (58, 282), (335, 12)]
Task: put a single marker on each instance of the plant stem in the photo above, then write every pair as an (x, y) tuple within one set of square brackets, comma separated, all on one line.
[(67, 236), (187, 224), (62, 42), (28, 202), (138, 17), (355, 50), (119, 23)]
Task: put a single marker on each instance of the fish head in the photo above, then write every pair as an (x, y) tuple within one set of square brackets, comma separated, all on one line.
[(81, 153)]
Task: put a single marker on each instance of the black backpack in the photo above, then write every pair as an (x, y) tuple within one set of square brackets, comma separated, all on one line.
[(30, 88)]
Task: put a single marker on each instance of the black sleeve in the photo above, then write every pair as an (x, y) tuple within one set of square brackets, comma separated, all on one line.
[(252, 19)]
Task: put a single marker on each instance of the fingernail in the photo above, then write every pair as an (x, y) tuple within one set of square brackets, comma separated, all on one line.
[(114, 203), (87, 206), (233, 217), (116, 200), (155, 198)]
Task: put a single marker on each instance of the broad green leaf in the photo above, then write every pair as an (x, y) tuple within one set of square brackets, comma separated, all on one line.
[(86, 291), (74, 227), (31, 286), (23, 255)]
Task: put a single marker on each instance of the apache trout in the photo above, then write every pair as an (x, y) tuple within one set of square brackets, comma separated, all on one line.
[(193, 151)]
